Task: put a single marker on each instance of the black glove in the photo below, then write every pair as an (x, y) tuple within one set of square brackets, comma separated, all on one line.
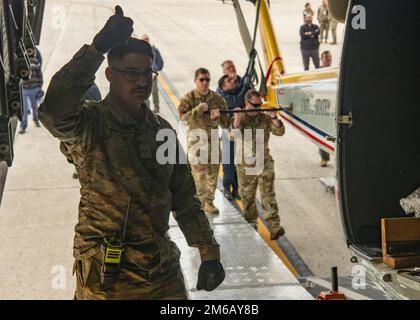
[(210, 275), (116, 31)]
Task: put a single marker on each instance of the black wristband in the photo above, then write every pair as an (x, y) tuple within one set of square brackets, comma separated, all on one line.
[(275, 118)]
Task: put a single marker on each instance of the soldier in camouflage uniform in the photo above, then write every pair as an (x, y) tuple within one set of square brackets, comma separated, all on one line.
[(248, 183), (200, 109), (333, 25), (324, 20), (113, 146)]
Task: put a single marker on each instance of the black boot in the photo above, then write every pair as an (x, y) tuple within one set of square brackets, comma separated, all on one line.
[(236, 195), (227, 194), (276, 230)]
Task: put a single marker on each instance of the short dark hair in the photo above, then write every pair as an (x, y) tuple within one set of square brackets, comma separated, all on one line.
[(325, 52), (133, 45), (200, 71), (252, 93), (222, 81)]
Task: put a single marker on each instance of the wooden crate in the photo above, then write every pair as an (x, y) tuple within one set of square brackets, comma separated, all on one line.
[(401, 242)]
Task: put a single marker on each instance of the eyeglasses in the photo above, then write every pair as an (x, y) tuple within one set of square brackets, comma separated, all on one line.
[(204, 79), (134, 75), (255, 105)]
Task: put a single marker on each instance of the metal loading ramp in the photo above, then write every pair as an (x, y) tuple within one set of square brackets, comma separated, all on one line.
[(253, 271)]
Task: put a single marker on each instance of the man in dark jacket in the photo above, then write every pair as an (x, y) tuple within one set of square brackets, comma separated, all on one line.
[(234, 96), (32, 92), (309, 42), (231, 92), (156, 66), (232, 88), (229, 69)]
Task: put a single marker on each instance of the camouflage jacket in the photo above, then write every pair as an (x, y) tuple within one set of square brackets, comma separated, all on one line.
[(197, 119), (261, 121), (115, 156), (323, 14)]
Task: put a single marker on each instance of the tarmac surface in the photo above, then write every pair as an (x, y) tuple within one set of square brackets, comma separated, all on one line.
[(39, 206)]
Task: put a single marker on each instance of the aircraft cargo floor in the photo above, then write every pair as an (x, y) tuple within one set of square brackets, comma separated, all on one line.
[(253, 271)]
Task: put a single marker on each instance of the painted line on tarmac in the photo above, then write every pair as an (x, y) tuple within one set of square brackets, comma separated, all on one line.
[(170, 95)]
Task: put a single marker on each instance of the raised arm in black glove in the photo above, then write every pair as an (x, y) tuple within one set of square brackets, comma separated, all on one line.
[(116, 31), (210, 275)]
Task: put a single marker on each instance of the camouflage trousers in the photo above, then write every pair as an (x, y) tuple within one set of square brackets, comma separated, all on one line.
[(248, 189), (333, 26), (132, 283), (205, 178), (324, 27)]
